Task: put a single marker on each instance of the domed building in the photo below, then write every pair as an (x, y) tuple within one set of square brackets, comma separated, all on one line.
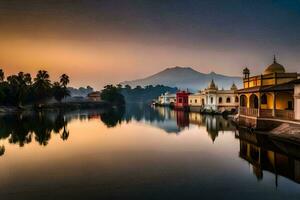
[(268, 95), (274, 68), (213, 99)]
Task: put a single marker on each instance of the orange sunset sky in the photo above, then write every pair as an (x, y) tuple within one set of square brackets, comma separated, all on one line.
[(102, 42)]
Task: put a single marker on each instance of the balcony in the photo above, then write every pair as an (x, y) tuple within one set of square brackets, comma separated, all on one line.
[(268, 113), (253, 112), (285, 114)]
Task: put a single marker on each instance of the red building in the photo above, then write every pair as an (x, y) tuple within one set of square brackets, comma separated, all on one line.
[(182, 98)]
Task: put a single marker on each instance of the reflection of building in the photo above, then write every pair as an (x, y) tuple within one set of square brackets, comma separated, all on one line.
[(167, 99), (272, 94), (213, 123), (182, 118), (94, 96), (266, 155), (213, 99)]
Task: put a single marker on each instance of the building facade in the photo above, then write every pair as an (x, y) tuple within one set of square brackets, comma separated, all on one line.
[(94, 96), (269, 95), (213, 99), (182, 98), (167, 99)]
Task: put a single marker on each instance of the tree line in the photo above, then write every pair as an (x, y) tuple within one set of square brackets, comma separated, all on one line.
[(21, 89), (144, 94)]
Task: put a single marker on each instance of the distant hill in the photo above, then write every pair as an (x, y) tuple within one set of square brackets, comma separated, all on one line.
[(186, 77)]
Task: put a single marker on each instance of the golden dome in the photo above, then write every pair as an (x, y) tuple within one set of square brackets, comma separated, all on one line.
[(274, 68)]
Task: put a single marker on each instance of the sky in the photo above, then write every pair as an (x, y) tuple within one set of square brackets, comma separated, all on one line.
[(102, 42)]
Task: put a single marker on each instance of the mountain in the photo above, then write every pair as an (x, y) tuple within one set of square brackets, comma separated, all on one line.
[(186, 77)]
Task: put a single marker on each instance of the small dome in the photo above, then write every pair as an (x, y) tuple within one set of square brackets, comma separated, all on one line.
[(274, 68), (212, 85), (233, 87)]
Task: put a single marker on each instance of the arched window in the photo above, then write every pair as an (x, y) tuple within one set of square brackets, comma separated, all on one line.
[(243, 101), (236, 99), (202, 102), (220, 99), (264, 99), (228, 100), (195, 100), (253, 101), (211, 100)]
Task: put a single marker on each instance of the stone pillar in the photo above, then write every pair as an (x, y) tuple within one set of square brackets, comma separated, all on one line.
[(258, 109), (274, 105)]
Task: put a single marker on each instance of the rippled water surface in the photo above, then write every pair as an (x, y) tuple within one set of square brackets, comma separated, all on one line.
[(141, 153)]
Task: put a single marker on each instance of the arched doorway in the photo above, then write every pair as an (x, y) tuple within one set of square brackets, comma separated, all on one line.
[(264, 99), (236, 99), (202, 102), (253, 101), (243, 101), (220, 99)]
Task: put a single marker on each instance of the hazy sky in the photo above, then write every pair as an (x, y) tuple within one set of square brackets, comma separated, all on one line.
[(99, 42)]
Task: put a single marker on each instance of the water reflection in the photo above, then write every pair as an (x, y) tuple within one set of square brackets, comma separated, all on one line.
[(261, 152), (265, 154), (20, 129)]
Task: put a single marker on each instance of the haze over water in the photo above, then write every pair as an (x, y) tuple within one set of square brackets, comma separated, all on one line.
[(141, 152)]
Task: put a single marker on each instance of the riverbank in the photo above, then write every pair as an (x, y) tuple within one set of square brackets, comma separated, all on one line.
[(57, 106), (286, 132)]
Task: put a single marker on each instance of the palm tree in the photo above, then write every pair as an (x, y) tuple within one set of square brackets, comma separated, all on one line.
[(1, 75), (42, 76), (18, 87), (64, 80), (58, 91), (42, 85)]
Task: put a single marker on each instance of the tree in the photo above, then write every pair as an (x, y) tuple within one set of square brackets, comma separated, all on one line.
[(19, 86), (127, 87), (112, 94), (58, 91), (64, 80), (119, 86), (42, 86), (1, 75), (61, 90)]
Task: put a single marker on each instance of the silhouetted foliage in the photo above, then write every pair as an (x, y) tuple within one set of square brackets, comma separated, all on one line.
[(146, 94), (59, 91), (113, 95), (19, 89), (80, 91)]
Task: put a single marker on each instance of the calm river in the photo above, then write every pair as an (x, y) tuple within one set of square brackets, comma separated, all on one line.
[(141, 153)]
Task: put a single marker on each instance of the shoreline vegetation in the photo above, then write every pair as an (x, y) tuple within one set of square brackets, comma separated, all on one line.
[(20, 92)]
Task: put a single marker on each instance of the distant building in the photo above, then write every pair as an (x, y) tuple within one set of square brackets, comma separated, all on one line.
[(182, 100), (167, 99), (94, 96), (271, 95), (213, 99)]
